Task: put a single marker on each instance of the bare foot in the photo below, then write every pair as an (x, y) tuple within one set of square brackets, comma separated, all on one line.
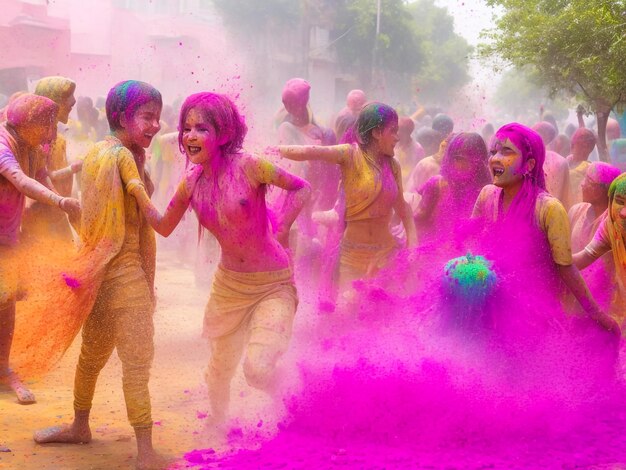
[(152, 460), (4, 448), (66, 434), (23, 393)]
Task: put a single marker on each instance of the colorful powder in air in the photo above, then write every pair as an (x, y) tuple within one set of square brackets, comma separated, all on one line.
[(392, 383)]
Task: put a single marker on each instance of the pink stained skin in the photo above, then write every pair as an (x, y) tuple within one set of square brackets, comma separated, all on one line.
[(227, 192), (71, 282), (448, 199), (516, 162)]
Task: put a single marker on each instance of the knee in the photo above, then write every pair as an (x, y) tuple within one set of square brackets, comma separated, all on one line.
[(258, 371), (90, 365), (92, 359)]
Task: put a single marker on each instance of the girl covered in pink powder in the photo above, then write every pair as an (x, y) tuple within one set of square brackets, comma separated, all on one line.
[(528, 229), (253, 298), (372, 184), (450, 196)]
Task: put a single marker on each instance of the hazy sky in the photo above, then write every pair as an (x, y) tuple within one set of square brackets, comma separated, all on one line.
[(470, 17)]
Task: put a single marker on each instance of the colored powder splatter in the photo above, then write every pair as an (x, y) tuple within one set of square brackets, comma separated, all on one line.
[(71, 282), (388, 384)]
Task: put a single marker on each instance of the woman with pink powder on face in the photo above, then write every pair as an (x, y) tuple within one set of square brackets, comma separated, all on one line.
[(449, 197), (520, 213), (253, 299)]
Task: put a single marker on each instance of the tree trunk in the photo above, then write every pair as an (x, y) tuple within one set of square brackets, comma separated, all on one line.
[(602, 116)]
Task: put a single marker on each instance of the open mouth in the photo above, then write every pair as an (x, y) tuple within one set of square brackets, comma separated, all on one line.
[(498, 171), (192, 150)]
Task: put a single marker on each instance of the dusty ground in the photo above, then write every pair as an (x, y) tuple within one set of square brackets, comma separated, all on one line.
[(180, 406), (177, 389)]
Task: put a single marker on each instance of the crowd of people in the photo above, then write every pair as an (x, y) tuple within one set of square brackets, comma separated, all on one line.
[(322, 208)]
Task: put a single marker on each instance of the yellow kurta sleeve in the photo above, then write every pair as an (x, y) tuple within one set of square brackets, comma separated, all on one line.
[(555, 224), (128, 171)]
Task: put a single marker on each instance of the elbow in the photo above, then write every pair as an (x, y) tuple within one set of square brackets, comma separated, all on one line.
[(581, 260), (306, 191), (163, 231)]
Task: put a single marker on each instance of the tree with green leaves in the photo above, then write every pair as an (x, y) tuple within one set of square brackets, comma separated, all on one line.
[(518, 94), (576, 46), (446, 54), (416, 45), (397, 48)]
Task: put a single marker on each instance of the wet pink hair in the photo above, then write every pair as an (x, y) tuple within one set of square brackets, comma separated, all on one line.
[(223, 115), (603, 172)]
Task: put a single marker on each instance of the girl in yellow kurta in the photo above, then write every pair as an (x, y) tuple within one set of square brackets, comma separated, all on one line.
[(372, 183), (122, 248), (518, 201)]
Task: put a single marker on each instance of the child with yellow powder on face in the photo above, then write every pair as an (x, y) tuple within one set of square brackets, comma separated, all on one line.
[(123, 248)]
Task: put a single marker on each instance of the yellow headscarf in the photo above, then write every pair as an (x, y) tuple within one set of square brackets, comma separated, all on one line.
[(57, 89)]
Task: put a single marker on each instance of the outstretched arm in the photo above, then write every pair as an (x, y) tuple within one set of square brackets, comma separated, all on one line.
[(299, 192), (37, 191), (335, 154), (165, 224), (65, 172)]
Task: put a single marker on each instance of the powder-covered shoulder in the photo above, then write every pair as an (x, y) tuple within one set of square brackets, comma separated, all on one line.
[(255, 168), (249, 161), (347, 152), (488, 191), (549, 203), (551, 212)]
